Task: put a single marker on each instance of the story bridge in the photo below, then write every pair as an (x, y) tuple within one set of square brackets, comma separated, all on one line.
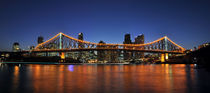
[(62, 43)]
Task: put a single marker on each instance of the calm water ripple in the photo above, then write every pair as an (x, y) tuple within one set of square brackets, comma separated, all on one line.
[(158, 78)]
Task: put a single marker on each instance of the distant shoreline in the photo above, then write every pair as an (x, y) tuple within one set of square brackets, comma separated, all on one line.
[(60, 63)]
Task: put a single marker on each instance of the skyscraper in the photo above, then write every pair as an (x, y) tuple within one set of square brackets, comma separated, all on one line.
[(80, 36), (16, 47), (127, 40), (139, 40), (81, 54), (40, 40)]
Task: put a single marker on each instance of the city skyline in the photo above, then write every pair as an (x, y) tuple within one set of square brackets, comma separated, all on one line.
[(187, 23)]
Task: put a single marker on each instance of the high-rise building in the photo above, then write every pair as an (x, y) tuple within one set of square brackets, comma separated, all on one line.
[(127, 39), (126, 54), (139, 40), (16, 47), (80, 36), (40, 39), (81, 54)]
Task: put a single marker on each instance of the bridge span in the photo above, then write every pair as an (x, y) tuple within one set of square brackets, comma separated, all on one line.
[(63, 43)]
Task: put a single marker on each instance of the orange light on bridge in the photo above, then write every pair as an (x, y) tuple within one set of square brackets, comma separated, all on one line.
[(162, 58), (166, 56), (110, 45), (62, 55)]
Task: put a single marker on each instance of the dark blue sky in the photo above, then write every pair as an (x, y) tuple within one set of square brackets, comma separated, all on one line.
[(186, 22)]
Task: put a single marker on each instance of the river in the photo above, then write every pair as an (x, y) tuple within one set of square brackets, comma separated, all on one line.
[(93, 78)]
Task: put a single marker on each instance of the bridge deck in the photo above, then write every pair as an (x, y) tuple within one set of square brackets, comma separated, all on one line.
[(106, 49)]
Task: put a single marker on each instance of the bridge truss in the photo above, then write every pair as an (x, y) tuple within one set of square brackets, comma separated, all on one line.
[(64, 43)]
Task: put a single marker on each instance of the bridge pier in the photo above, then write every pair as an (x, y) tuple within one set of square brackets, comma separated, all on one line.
[(62, 55), (164, 57)]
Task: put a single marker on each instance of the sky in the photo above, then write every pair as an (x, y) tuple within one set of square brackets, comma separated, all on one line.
[(186, 22)]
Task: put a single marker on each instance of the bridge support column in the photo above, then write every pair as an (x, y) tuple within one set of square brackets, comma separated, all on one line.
[(164, 57), (62, 55)]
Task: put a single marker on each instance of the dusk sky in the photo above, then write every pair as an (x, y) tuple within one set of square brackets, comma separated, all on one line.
[(185, 22)]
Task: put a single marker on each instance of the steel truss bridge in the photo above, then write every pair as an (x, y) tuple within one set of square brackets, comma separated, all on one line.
[(63, 43)]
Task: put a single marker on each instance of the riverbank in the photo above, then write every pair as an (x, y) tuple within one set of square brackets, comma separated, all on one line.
[(61, 63)]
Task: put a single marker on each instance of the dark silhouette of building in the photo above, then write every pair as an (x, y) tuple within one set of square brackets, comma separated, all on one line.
[(16, 47), (80, 36), (40, 39), (139, 40), (200, 56), (126, 54), (203, 45), (127, 39)]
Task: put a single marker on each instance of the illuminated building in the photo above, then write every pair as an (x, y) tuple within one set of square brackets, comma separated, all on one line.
[(80, 37), (113, 56), (40, 40), (81, 54), (101, 55), (16, 47)]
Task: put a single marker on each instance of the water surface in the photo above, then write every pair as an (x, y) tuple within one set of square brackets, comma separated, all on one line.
[(153, 78)]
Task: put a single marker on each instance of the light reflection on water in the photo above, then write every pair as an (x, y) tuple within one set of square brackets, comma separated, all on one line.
[(160, 78), (71, 68)]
